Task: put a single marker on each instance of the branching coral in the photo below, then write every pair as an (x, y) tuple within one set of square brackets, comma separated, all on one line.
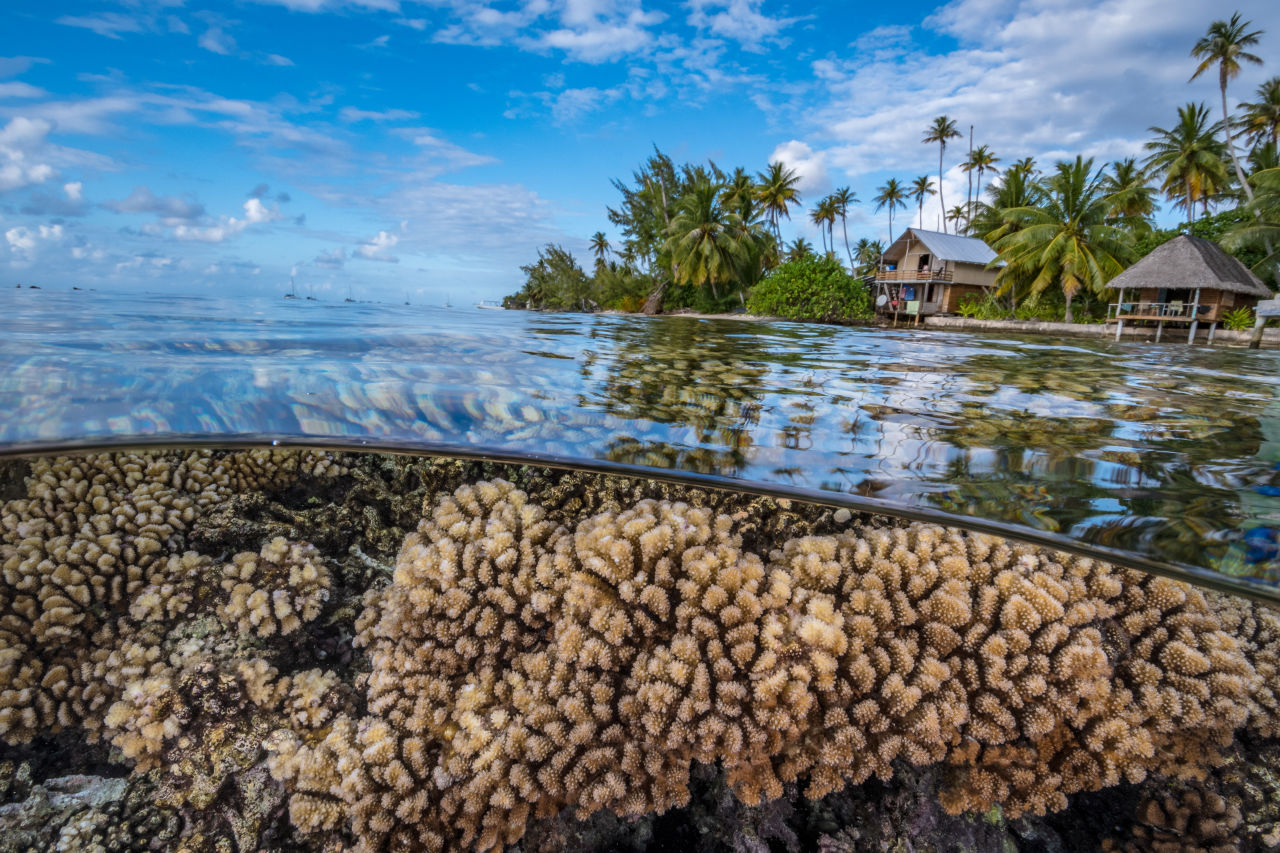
[(275, 590), (519, 670), (1193, 822)]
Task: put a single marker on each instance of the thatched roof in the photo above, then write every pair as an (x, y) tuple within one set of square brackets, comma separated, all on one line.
[(1191, 262)]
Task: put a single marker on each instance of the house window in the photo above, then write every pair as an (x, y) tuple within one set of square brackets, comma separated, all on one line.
[(924, 262)]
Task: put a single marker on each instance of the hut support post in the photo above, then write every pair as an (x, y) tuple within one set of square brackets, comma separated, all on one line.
[(1159, 329), (1213, 327), (1195, 312), (1259, 322), (1120, 315)]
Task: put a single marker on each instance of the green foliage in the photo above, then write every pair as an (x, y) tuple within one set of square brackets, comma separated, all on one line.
[(811, 288), (977, 307), (1215, 227), (554, 282), (1238, 319)]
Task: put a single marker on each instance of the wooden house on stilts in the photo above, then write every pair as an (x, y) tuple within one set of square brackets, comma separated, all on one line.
[(928, 272), (1188, 280)]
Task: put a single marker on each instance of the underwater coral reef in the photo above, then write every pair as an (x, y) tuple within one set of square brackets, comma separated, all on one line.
[(288, 650)]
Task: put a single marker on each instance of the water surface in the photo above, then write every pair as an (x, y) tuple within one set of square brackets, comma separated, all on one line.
[(1159, 452)]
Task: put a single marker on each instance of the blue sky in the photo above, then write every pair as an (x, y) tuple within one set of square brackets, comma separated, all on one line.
[(391, 148)]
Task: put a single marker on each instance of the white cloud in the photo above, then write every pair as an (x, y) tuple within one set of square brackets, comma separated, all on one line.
[(255, 213), (21, 90), (740, 20), (354, 114), (277, 59), (25, 243), (334, 5), (216, 40), (74, 191), (809, 165), (109, 24), (378, 248), (170, 210), (21, 143)]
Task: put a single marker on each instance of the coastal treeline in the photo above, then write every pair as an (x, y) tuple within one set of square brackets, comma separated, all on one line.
[(698, 236)]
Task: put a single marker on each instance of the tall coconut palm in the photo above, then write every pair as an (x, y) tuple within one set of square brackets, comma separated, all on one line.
[(922, 188), (1264, 232), (1224, 46), (842, 198), (799, 249), (599, 246), (955, 216), (892, 194), (1133, 201), (984, 160), (867, 252), (1017, 188), (1027, 165), (1189, 157), (1261, 118), (1065, 242), (824, 216), (707, 242), (940, 131), (778, 193)]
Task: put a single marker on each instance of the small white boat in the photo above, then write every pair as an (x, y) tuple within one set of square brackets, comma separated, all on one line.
[(492, 306)]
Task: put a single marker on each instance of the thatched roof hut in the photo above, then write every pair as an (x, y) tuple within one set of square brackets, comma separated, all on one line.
[(1188, 263), (1187, 280)]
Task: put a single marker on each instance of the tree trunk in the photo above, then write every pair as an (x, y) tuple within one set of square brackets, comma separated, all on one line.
[(941, 198), (1231, 146), (1067, 316), (844, 228), (968, 203), (653, 305)]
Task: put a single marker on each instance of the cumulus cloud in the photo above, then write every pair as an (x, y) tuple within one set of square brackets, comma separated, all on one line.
[(255, 213), (25, 243), (809, 165), (21, 144), (379, 247), (70, 203), (739, 20), (171, 210)]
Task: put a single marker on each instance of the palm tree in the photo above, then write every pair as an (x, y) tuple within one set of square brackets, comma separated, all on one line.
[(1017, 188), (868, 253), (1026, 165), (1264, 233), (799, 249), (777, 188), (891, 195), (955, 215), (1133, 201), (1261, 119), (824, 216), (940, 131), (1066, 241), (1224, 45), (984, 160), (843, 197), (707, 242), (600, 246), (1189, 156), (922, 188)]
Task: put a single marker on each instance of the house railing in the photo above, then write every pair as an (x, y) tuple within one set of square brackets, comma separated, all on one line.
[(1157, 310), (914, 275)]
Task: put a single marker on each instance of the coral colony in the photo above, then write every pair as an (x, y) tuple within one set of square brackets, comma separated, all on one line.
[(519, 665)]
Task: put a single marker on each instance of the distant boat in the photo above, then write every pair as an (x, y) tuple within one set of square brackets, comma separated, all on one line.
[(492, 306), (293, 293)]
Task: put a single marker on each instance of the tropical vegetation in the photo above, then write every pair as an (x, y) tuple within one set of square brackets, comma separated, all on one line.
[(694, 235)]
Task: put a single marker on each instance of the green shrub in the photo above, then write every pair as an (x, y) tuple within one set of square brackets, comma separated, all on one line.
[(1238, 319), (811, 288), (978, 307)]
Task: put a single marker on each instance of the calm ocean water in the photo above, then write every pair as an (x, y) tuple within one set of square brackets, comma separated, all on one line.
[(1162, 453)]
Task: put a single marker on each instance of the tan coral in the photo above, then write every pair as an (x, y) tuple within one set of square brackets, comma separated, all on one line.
[(275, 590)]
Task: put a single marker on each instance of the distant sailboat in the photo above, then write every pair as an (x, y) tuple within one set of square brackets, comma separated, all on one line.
[(293, 292), (446, 301), (348, 299)]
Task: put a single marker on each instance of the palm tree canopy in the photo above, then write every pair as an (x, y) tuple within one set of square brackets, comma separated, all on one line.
[(942, 129), (1189, 156), (599, 245), (1065, 241), (922, 188), (843, 197), (1224, 45), (892, 194), (777, 188), (1129, 188), (1261, 118), (707, 242)]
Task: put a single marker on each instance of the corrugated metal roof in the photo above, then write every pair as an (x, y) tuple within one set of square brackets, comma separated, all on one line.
[(950, 247)]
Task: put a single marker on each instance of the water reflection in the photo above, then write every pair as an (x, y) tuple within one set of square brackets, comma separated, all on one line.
[(1167, 451)]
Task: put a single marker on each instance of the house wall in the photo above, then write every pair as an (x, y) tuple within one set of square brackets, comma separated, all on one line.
[(955, 294), (978, 274)]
